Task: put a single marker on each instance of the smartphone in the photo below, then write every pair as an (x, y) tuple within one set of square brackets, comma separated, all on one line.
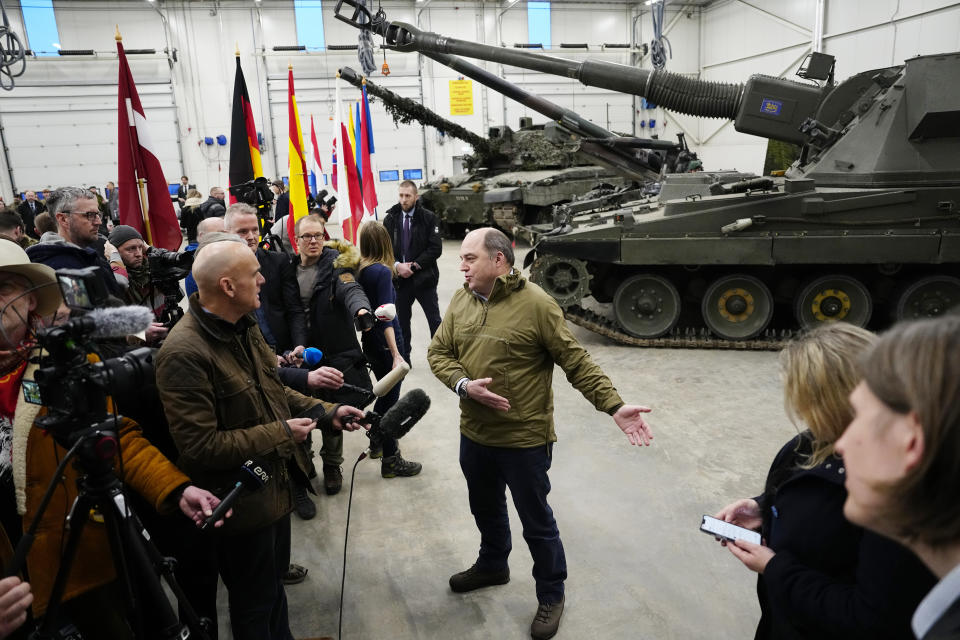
[(727, 531)]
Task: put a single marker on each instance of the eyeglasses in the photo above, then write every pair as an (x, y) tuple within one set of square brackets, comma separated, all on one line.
[(310, 237), (89, 215)]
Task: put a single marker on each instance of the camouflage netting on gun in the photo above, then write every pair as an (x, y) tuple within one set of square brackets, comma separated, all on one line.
[(406, 111)]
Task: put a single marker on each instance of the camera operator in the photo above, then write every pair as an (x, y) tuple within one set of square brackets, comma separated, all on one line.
[(76, 244), (140, 290), (29, 292)]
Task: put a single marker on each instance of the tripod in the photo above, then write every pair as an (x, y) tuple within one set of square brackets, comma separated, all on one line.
[(139, 565)]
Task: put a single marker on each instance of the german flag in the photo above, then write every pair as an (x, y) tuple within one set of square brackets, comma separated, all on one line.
[(244, 148)]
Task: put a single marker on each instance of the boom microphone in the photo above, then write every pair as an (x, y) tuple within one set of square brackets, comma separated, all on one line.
[(392, 379), (253, 476), (115, 322), (399, 419)]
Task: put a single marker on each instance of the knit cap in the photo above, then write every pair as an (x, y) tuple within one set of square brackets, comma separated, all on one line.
[(123, 233)]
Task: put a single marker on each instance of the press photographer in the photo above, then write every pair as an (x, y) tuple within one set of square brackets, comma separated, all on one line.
[(257, 194), (29, 457), (154, 279)]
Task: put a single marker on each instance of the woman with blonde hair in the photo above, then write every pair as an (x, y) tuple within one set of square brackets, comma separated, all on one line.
[(383, 345), (819, 575)]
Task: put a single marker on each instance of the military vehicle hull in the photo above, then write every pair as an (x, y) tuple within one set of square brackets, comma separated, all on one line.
[(509, 199), (814, 255)]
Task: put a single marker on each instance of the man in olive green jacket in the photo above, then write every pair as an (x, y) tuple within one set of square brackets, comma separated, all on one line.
[(496, 347), (225, 404)]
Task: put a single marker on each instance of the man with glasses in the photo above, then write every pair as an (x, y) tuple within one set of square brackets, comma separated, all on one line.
[(334, 303), (77, 244)]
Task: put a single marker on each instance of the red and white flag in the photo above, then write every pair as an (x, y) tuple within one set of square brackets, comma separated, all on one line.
[(137, 160)]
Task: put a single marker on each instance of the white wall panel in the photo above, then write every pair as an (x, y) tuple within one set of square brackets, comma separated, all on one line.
[(61, 128), (727, 40)]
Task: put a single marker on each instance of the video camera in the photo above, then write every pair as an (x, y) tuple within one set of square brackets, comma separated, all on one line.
[(73, 389), (254, 192), (322, 201), (167, 269)]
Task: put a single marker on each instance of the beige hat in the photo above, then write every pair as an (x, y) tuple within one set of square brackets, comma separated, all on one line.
[(43, 279), (192, 202)]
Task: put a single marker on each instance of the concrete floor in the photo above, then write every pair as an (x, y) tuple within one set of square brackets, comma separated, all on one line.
[(629, 517)]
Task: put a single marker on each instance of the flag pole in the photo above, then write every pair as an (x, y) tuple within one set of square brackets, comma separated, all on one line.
[(141, 183)]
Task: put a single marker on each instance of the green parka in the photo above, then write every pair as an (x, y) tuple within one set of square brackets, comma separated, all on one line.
[(514, 338)]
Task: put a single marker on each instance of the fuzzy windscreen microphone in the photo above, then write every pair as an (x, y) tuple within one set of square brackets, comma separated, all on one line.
[(117, 322)]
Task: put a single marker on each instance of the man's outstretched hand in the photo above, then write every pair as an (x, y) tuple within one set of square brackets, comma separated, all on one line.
[(629, 418)]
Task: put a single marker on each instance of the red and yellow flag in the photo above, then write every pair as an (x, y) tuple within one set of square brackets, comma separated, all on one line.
[(296, 162)]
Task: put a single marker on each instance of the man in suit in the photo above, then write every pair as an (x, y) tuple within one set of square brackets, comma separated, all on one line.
[(416, 247), (182, 190), (28, 210)]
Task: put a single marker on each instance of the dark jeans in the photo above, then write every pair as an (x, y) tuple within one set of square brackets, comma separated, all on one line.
[(427, 297), (380, 363), (488, 470), (252, 567), (355, 373)]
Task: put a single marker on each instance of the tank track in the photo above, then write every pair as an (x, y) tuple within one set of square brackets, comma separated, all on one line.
[(679, 338)]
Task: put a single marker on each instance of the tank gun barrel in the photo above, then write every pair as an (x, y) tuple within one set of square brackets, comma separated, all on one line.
[(764, 106), (622, 161), (406, 108)]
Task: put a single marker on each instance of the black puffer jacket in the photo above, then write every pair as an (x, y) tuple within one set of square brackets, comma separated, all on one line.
[(337, 298), (829, 578)]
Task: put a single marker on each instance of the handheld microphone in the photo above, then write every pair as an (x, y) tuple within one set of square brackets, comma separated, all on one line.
[(253, 476), (386, 312), (312, 357), (398, 420)]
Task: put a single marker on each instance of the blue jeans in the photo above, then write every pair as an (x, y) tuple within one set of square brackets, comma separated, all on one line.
[(488, 471)]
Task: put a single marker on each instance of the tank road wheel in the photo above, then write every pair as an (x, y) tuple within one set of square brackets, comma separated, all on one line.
[(646, 305), (737, 307), (928, 297), (566, 279), (833, 298)]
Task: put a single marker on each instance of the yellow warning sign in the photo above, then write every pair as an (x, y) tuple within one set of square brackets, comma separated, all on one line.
[(461, 97)]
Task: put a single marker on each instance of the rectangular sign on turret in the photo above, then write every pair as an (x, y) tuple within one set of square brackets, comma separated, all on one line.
[(461, 97)]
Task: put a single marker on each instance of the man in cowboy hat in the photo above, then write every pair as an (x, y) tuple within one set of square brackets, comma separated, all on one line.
[(29, 294)]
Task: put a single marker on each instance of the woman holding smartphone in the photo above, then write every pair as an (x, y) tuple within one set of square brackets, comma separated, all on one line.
[(819, 575), (383, 344), (902, 454)]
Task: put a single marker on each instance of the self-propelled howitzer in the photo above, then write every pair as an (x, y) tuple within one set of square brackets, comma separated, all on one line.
[(863, 228)]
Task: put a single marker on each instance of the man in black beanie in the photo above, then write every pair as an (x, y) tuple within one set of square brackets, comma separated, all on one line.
[(140, 290)]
